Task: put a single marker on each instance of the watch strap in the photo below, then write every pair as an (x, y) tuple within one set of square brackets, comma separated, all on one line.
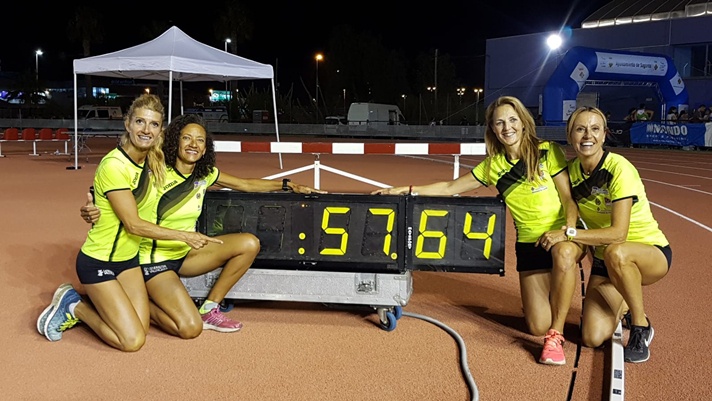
[(285, 185)]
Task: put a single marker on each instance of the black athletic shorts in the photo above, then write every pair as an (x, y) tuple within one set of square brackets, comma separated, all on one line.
[(93, 271), (598, 268), (151, 270), (531, 257)]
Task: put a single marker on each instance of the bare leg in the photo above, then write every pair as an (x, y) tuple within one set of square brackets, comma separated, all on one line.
[(119, 310), (603, 308), (630, 266), (563, 281), (171, 307), (235, 254), (535, 287)]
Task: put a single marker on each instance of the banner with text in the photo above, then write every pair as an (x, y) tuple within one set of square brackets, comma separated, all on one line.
[(671, 134)]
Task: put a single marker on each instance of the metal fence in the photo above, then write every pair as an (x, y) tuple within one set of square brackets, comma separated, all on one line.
[(439, 133)]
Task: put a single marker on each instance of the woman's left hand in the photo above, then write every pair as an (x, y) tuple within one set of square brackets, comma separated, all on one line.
[(303, 189), (551, 238)]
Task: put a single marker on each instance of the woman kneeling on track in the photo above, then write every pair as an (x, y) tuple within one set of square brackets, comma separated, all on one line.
[(126, 183), (630, 250), (190, 159), (530, 174)]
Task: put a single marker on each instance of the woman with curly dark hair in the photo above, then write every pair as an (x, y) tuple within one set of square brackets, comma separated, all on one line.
[(190, 170)]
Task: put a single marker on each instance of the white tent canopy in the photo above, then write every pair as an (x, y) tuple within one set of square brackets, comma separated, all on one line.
[(173, 56)]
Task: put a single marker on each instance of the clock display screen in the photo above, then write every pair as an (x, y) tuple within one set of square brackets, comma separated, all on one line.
[(380, 233)]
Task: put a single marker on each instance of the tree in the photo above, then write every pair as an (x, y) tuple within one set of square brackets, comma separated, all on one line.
[(234, 23), (86, 28)]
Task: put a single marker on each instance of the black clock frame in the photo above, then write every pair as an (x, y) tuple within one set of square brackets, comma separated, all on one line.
[(363, 233)]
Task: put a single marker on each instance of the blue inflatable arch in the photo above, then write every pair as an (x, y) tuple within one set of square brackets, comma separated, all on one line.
[(582, 64)]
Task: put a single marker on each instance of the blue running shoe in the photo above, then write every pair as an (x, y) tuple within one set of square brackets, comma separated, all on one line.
[(55, 300), (58, 318)]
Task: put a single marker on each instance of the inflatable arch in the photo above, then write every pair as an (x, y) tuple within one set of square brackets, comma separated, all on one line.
[(582, 64)]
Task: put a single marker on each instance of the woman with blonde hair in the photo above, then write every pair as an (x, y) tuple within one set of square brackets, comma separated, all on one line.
[(630, 249), (125, 185), (530, 175)]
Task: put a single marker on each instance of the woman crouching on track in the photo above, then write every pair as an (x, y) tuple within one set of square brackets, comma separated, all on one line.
[(530, 174), (190, 160), (630, 250), (125, 184)]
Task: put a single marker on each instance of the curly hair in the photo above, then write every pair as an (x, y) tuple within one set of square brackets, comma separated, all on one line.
[(530, 142), (155, 159), (172, 141)]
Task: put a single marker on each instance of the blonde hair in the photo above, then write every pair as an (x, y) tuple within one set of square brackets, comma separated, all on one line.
[(576, 113), (529, 146), (155, 158)]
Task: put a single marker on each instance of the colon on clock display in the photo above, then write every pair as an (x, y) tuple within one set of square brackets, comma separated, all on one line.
[(347, 232)]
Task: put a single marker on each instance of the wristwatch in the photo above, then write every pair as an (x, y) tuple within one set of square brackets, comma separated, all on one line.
[(285, 185), (571, 233)]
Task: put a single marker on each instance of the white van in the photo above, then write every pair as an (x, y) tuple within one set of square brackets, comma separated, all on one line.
[(89, 112), (374, 115)]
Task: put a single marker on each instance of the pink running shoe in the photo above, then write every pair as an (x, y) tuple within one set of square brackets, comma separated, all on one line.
[(216, 320), (553, 352)]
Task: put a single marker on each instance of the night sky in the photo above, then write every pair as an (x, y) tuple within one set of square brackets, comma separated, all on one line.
[(290, 33)]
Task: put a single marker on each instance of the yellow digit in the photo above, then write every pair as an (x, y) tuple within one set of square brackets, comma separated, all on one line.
[(423, 233), (389, 226), (335, 230), (480, 235)]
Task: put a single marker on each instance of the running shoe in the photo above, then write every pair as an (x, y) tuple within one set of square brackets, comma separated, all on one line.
[(57, 318), (637, 350), (553, 352), (216, 320), (55, 300)]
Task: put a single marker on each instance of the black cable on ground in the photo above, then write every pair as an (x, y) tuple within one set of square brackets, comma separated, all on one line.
[(474, 392)]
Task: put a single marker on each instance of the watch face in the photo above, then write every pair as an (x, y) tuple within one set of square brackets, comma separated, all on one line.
[(571, 232)]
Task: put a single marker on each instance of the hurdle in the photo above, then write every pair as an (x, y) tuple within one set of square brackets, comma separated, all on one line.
[(352, 148)]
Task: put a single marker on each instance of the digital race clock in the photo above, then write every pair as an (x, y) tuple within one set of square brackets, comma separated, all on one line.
[(374, 233)]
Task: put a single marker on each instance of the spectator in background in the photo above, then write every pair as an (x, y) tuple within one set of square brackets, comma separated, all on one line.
[(643, 114), (630, 117), (683, 117), (671, 115), (698, 116)]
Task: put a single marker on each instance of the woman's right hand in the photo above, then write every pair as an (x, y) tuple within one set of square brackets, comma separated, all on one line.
[(89, 212), (197, 240)]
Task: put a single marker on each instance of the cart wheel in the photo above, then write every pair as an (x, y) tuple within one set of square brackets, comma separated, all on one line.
[(398, 312), (226, 306), (390, 323)]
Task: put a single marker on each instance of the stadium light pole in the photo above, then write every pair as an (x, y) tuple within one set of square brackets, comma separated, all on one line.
[(477, 105), (38, 53), (227, 91), (318, 58)]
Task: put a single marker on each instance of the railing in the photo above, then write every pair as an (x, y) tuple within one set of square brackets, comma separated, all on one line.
[(442, 133)]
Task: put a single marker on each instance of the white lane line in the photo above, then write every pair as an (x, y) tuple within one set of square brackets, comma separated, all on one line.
[(676, 166), (670, 172), (683, 216), (678, 186)]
